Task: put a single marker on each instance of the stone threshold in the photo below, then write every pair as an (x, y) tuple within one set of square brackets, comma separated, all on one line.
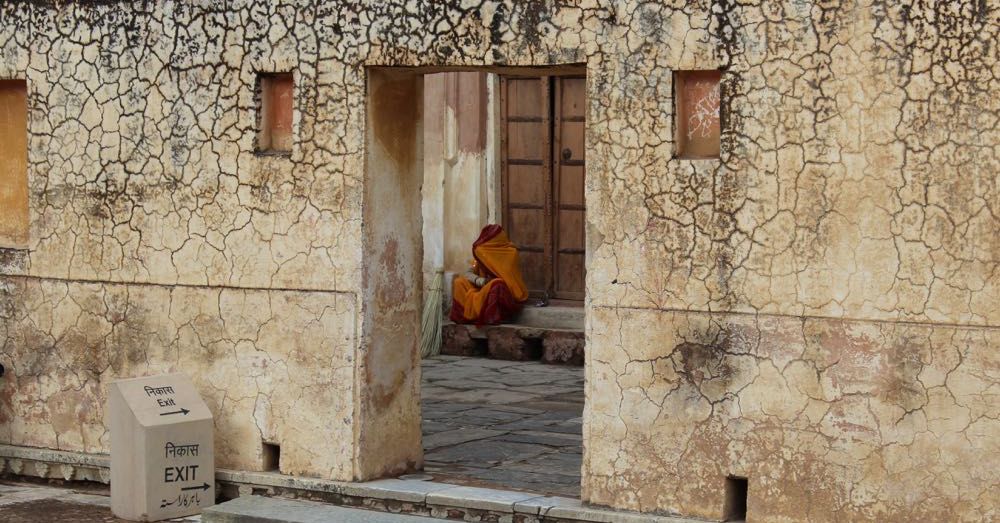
[(417, 497)]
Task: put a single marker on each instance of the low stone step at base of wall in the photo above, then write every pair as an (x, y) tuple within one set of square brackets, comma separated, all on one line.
[(54, 464), (414, 497), (258, 509), (432, 499), (514, 342)]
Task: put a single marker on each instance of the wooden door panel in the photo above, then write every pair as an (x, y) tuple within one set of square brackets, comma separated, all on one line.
[(569, 259), (526, 150), (572, 142), (571, 276), (527, 185), (574, 97), (523, 224), (571, 185), (543, 165), (570, 234), (570, 208), (525, 142), (524, 98), (533, 270)]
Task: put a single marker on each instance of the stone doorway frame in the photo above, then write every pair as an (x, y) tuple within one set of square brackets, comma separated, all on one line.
[(387, 428)]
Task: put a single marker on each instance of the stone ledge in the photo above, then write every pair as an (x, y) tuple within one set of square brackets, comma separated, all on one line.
[(55, 456), (555, 316), (478, 498), (55, 464), (258, 509), (406, 496)]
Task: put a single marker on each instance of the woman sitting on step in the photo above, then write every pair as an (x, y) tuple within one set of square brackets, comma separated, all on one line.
[(493, 291)]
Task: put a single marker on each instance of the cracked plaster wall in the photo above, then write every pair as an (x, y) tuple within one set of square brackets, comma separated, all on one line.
[(816, 310)]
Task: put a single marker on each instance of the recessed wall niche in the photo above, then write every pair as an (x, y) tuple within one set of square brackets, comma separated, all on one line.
[(275, 97), (13, 164), (697, 100)]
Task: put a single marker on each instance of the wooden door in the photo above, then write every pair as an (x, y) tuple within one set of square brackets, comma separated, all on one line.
[(568, 204), (526, 175), (542, 164)]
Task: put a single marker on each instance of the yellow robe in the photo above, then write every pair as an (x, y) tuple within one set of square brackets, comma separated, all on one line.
[(496, 257)]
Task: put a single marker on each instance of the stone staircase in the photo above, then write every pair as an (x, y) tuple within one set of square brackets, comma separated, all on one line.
[(551, 334)]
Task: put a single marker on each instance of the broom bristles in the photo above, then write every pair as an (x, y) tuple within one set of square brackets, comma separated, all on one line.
[(430, 324)]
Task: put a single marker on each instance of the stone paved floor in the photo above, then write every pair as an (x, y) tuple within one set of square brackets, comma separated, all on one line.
[(508, 424), (22, 502)]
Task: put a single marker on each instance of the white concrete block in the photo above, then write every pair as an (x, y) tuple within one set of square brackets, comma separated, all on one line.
[(162, 459)]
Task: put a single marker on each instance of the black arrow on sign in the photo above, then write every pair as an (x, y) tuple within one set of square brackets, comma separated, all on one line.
[(203, 486), (182, 411)]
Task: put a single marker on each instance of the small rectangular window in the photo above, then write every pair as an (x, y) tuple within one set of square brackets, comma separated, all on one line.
[(275, 103), (697, 99), (13, 164)]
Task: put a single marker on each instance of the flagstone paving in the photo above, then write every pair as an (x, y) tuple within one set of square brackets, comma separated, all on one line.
[(509, 424)]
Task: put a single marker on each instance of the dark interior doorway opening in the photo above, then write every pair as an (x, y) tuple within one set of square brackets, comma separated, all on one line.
[(735, 508)]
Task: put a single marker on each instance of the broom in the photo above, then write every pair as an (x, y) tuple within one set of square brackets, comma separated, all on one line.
[(430, 324)]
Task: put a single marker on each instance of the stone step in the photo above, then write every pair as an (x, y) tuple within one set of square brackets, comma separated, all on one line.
[(516, 342), (259, 509), (418, 497), (553, 317), (401, 501)]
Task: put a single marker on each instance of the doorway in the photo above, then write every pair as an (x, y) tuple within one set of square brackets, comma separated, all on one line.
[(542, 164), (486, 419)]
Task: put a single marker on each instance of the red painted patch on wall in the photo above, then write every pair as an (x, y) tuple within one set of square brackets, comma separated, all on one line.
[(277, 97), (697, 100)]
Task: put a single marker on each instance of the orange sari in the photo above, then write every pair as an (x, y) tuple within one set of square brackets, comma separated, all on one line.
[(501, 297)]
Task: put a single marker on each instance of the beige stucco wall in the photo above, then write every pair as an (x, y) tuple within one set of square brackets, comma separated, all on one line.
[(159, 241), (815, 311), (388, 372)]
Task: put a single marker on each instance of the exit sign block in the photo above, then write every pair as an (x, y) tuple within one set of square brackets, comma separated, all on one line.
[(162, 459)]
